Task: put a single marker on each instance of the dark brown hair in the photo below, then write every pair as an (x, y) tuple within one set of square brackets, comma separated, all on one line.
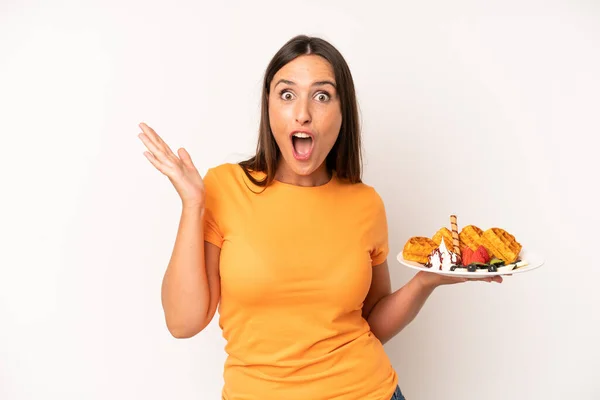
[(345, 156)]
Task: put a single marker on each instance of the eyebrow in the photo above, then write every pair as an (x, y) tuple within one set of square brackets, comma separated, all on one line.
[(318, 83)]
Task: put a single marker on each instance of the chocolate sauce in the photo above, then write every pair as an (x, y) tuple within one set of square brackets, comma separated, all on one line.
[(430, 256)]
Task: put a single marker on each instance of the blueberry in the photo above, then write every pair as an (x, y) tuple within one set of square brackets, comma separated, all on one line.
[(492, 268)]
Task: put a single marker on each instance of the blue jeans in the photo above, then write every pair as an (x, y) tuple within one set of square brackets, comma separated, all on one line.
[(397, 394)]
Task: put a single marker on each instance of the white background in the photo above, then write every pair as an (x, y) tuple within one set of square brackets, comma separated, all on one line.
[(490, 112)]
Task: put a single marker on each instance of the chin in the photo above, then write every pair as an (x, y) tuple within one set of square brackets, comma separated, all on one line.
[(302, 167)]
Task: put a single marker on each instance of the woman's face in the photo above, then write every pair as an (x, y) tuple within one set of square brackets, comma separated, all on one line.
[(305, 116)]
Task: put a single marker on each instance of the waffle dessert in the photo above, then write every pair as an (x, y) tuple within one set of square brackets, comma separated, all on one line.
[(501, 244), (418, 248), (470, 236), (443, 258), (472, 249), (445, 233)]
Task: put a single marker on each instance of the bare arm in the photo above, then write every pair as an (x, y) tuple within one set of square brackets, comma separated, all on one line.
[(191, 286), (388, 313)]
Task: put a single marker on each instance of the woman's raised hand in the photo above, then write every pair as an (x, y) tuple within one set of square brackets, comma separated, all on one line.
[(180, 170)]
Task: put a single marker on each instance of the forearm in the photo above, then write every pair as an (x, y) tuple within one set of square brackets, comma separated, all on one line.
[(394, 312), (185, 292)]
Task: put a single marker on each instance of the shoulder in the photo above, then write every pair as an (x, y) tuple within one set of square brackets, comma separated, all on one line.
[(225, 174), (228, 177), (223, 170), (366, 205), (365, 194), (362, 200)]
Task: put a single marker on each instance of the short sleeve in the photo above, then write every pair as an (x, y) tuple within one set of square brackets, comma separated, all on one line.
[(212, 209), (379, 232)]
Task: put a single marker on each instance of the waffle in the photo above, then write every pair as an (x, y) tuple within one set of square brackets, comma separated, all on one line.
[(446, 234), (417, 249), (501, 244), (470, 236)]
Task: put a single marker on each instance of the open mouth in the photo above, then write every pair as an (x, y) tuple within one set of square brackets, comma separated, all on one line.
[(302, 143)]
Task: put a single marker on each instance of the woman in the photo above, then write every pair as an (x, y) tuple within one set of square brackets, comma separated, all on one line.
[(291, 245)]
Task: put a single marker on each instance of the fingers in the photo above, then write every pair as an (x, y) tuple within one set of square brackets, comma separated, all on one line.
[(153, 161), (158, 149), (149, 134), (155, 140), (156, 152), (157, 164), (495, 278), (185, 157)]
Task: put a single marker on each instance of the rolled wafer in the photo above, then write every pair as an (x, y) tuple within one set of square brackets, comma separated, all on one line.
[(455, 239)]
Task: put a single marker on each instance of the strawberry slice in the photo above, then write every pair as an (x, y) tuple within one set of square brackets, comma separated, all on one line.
[(480, 255), (467, 256)]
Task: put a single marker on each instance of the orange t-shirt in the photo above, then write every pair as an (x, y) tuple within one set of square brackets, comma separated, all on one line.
[(295, 269)]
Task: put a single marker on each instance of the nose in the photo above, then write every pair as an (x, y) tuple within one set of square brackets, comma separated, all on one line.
[(303, 115)]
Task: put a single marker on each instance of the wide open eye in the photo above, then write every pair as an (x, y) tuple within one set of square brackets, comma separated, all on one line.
[(323, 97), (286, 95)]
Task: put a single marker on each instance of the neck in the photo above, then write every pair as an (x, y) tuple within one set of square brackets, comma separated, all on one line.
[(286, 175)]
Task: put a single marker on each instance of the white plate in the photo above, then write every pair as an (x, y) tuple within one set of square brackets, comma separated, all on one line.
[(533, 261)]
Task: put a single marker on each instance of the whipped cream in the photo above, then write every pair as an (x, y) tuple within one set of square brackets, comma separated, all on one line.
[(441, 258)]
